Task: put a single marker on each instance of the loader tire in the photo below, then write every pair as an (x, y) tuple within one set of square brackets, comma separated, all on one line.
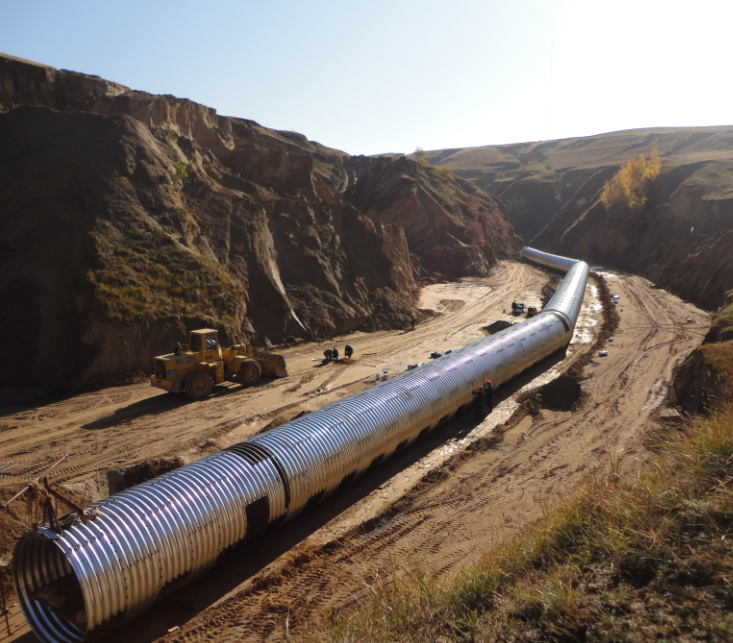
[(199, 385), (249, 373)]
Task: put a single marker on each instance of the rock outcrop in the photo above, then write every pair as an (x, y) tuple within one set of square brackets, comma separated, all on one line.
[(130, 217)]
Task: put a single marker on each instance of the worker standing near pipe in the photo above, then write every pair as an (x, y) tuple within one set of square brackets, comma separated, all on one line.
[(489, 395), (478, 403)]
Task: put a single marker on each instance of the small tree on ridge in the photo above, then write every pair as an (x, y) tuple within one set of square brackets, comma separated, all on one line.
[(628, 189)]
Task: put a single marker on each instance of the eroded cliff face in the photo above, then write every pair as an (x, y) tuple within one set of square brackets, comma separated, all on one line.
[(683, 237), (129, 218), (452, 228)]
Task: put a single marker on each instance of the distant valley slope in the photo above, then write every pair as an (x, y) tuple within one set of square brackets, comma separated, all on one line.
[(683, 238), (128, 218)]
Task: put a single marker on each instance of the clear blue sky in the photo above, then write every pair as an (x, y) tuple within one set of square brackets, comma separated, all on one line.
[(387, 76)]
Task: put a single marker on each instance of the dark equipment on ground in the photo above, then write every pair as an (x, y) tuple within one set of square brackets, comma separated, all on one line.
[(348, 351), (517, 308), (196, 368)]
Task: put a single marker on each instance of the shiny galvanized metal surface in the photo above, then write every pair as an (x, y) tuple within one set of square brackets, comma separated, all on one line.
[(568, 298), (152, 539), (545, 259)]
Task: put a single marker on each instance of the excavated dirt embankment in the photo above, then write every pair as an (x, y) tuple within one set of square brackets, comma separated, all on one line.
[(682, 239), (130, 218)]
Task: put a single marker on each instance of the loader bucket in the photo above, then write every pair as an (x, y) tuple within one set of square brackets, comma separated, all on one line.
[(273, 365)]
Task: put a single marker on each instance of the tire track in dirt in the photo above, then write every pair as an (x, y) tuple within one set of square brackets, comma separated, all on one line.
[(124, 425), (481, 499), (475, 500)]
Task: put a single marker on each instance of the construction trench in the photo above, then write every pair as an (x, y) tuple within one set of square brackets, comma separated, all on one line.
[(299, 498)]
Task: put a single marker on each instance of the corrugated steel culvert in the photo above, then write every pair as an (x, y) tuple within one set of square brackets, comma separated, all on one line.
[(79, 584)]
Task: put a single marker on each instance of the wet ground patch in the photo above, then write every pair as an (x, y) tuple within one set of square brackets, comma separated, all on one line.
[(609, 326)]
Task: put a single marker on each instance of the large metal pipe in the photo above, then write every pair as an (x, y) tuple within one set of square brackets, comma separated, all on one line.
[(80, 581)]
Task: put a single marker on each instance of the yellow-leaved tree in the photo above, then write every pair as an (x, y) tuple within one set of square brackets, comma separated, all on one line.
[(628, 189)]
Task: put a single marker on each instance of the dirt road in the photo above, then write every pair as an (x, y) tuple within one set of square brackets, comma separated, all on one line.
[(435, 507)]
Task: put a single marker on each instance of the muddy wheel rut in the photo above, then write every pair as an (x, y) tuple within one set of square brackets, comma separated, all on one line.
[(434, 507)]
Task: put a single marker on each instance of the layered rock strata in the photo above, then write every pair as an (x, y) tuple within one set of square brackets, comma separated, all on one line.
[(130, 217)]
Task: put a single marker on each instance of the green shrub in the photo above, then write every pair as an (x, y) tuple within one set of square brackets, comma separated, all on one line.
[(180, 172), (443, 172), (420, 157)]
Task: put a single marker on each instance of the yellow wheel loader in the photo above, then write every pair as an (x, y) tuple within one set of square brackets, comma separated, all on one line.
[(196, 368)]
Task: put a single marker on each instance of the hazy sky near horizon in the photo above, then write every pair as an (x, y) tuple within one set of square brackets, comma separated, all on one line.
[(378, 76)]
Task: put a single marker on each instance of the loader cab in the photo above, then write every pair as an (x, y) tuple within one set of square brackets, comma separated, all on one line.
[(205, 343)]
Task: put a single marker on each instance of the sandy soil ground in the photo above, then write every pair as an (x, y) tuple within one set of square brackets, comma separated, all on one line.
[(436, 507)]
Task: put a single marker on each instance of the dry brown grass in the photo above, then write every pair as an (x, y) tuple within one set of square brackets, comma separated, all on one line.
[(146, 277), (644, 556), (723, 319)]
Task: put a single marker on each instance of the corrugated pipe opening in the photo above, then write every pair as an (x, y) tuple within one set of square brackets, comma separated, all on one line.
[(148, 541), (49, 591)]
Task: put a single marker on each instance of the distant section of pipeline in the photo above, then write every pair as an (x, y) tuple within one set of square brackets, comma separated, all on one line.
[(545, 259), (77, 581)]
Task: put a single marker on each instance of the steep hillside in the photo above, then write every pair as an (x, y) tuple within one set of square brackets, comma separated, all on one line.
[(130, 217), (461, 229), (704, 381), (683, 238)]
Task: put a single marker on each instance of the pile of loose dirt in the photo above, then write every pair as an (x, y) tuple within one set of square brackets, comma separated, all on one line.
[(561, 394), (497, 326), (549, 289), (147, 470), (10, 529)]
